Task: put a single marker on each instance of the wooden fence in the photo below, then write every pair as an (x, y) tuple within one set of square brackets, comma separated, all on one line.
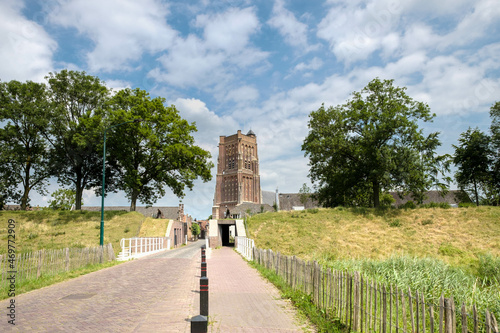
[(366, 306), (48, 262)]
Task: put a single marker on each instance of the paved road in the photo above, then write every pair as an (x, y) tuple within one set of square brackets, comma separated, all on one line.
[(158, 293), (153, 294)]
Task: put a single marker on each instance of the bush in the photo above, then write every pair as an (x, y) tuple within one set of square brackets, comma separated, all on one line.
[(313, 210), (408, 205), (466, 204), (386, 200)]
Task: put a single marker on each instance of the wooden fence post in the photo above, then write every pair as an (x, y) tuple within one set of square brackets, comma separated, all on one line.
[(40, 263), (66, 251), (384, 309)]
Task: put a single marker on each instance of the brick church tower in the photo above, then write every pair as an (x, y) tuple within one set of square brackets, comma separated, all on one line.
[(238, 179)]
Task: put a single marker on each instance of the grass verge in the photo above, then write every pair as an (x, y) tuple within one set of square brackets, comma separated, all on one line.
[(324, 322), (47, 280)]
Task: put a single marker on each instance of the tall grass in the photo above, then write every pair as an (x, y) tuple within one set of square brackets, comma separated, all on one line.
[(429, 276)]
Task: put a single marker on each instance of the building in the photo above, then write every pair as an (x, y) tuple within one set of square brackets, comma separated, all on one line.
[(237, 180)]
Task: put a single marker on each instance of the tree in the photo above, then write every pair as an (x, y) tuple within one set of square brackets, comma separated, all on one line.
[(473, 158), (75, 130), (24, 155), (63, 199), (195, 229), (495, 141), (370, 144), (304, 194), (156, 153)]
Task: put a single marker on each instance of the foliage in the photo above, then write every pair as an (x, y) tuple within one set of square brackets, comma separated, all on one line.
[(386, 200), (157, 152), (24, 155), (408, 205), (63, 199), (304, 194), (195, 229), (473, 158), (370, 144), (76, 128)]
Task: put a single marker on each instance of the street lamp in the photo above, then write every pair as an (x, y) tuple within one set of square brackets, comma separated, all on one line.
[(103, 174)]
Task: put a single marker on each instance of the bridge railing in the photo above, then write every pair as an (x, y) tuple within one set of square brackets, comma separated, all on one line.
[(245, 247), (140, 246)]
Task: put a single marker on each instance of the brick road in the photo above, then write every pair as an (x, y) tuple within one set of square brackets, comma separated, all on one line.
[(153, 294), (158, 293)]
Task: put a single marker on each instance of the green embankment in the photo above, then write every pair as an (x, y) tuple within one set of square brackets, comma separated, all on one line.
[(436, 251), (49, 229)]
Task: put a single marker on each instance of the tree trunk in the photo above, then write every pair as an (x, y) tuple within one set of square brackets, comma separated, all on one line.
[(25, 197), (475, 193), (376, 192), (133, 200), (79, 191)]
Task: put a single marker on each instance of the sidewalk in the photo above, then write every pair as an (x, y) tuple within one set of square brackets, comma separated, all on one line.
[(240, 300)]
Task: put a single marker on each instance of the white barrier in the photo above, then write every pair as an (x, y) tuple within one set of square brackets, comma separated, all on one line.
[(245, 247), (140, 246)]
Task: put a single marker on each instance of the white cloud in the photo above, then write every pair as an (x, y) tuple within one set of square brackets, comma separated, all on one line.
[(243, 94), (314, 64), (26, 49), (294, 31), (121, 30), (208, 63)]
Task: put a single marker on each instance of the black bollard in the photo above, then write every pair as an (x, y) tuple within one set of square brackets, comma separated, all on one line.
[(204, 296), (199, 324), (203, 269)]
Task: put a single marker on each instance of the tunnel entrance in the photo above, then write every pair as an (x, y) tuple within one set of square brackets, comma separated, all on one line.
[(227, 234)]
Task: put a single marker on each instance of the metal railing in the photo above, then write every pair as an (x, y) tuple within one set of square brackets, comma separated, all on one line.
[(245, 247), (140, 246)]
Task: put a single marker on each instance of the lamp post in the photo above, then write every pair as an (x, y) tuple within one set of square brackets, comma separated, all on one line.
[(104, 175)]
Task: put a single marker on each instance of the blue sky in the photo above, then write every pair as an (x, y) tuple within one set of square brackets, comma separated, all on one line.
[(264, 65)]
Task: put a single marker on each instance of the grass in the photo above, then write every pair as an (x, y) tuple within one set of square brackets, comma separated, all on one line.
[(47, 280), (49, 229), (153, 227), (456, 236), (434, 250), (304, 304)]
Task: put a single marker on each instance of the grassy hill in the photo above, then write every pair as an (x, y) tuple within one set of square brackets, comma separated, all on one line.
[(436, 251), (457, 236), (48, 229)]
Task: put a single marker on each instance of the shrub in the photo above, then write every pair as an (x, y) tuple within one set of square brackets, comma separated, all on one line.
[(32, 235), (386, 200), (313, 210), (408, 205), (466, 204)]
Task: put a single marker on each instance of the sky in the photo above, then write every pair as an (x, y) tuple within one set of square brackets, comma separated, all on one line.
[(263, 65)]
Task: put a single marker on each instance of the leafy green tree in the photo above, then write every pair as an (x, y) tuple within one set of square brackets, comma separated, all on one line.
[(195, 229), (304, 194), (473, 157), (63, 199), (24, 154), (76, 129), (157, 152), (373, 144)]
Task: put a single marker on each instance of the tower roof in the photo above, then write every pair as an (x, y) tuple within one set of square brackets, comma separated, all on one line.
[(251, 133)]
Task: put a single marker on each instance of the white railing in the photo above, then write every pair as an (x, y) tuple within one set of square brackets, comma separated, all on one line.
[(140, 246), (245, 247)]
